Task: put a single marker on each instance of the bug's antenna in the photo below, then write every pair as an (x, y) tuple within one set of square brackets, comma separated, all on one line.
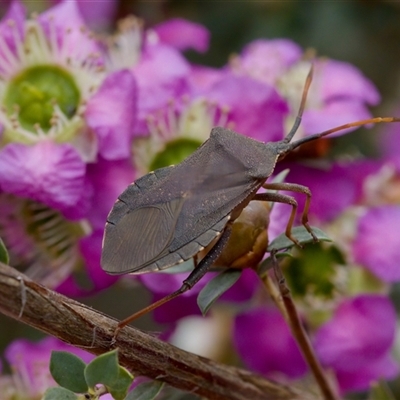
[(291, 146), (299, 115), (376, 120)]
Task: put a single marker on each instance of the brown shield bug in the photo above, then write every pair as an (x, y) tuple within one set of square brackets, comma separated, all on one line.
[(170, 215)]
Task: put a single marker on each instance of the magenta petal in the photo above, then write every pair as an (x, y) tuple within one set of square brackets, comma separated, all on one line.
[(339, 80), (361, 330), (65, 15), (17, 15), (183, 34), (254, 108), (376, 245), (244, 288), (162, 284), (46, 172), (21, 351), (176, 309), (389, 140), (203, 78), (265, 344), (108, 179), (356, 342), (99, 15), (323, 182), (30, 363), (267, 60), (111, 113), (161, 74), (165, 283), (334, 113), (70, 30), (90, 247), (384, 368), (279, 218)]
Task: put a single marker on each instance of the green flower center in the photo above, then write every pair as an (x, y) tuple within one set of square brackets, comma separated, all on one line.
[(174, 152), (36, 91)]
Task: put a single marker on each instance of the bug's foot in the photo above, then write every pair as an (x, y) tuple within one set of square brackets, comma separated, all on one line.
[(294, 240), (114, 338), (315, 239), (310, 231)]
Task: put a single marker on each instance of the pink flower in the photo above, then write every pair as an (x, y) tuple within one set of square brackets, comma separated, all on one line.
[(183, 34), (161, 75), (333, 188), (62, 111), (30, 361), (339, 94), (265, 344), (111, 114), (46, 172), (106, 180), (376, 245), (97, 14), (356, 342), (266, 60), (253, 108), (53, 90)]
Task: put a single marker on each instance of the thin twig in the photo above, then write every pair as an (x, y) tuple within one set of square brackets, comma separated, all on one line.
[(141, 353), (275, 294), (300, 334)]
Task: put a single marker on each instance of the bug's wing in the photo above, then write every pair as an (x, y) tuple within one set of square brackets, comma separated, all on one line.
[(139, 237), (140, 225)]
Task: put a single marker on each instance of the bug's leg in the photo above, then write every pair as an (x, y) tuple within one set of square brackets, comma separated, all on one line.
[(205, 264), (200, 270), (282, 198), (293, 187)]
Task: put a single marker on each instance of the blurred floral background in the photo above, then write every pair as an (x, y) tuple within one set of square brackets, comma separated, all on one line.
[(99, 107)]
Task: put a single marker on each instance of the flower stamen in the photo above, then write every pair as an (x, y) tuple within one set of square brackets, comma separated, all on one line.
[(49, 85), (39, 239)]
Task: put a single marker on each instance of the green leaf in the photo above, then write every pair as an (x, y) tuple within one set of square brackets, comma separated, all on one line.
[(301, 234), (146, 391), (380, 391), (103, 369), (216, 287), (59, 393), (121, 386), (68, 371), (4, 257)]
